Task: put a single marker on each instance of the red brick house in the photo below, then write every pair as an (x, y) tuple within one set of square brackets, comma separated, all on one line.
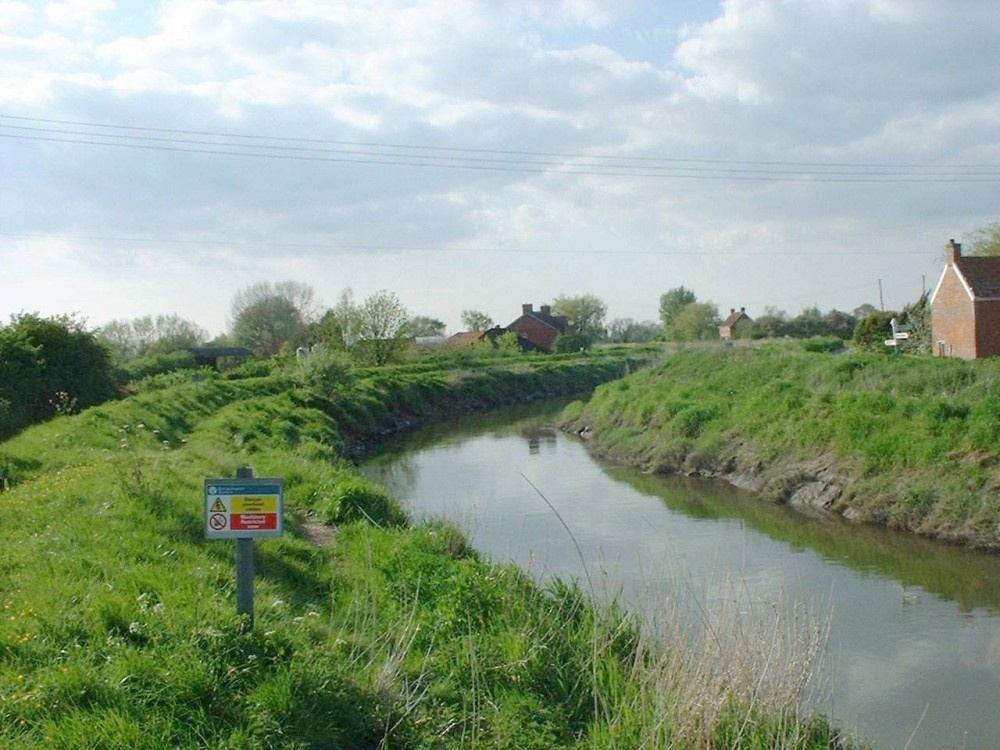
[(737, 318), (965, 307), (539, 329)]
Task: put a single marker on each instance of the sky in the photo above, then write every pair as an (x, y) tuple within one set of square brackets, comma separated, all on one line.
[(158, 157)]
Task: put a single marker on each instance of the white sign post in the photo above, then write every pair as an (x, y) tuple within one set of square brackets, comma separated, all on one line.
[(244, 509), (900, 331)]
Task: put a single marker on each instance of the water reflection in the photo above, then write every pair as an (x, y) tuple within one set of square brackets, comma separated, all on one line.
[(915, 626)]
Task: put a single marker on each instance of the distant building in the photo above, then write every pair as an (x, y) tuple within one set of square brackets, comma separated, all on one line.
[(737, 319), (220, 357), (965, 307), (538, 329)]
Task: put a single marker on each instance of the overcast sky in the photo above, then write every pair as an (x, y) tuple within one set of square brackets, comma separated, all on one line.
[(156, 157)]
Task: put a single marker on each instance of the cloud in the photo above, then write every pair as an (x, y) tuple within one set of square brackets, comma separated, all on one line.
[(440, 128)]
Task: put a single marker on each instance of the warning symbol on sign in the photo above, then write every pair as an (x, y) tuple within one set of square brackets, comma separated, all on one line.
[(217, 521), (219, 507)]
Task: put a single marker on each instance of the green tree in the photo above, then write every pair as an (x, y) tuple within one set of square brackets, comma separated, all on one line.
[(50, 366), (840, 324), (267, 316), (872, 331), (475, 320), (629, 331), (145, 336), (807, 323), (985, 240), (773, 324), (918, 316), (672, 302), (382, 328), (421, 325), (697, 321), (585, 315)]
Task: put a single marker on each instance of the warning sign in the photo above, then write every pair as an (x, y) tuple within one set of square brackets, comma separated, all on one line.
[(243, 508)]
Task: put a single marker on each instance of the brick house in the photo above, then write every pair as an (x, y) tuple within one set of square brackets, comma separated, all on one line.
[(538, 329), (736, 319), (965, 307)]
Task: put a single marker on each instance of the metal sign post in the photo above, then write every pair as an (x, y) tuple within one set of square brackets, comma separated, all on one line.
[(243, 509)]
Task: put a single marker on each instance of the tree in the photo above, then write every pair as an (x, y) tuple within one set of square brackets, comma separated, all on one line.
[(421, 325), (141, 337), (918, 316), (585, 315), (628, 331), (267, 316), (985, 240), (381, 321), (773, 324), (872, 331), (49, 366), (807, 323), (338, 326), (864, 310), (840, 324), (474, 320), (672, 302), (697, 321)]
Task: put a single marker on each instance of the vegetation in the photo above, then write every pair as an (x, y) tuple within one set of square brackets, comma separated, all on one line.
[(907, 442), (267, 316), (586, 319), (476, 320), (50, 366), (985, 240), (118, 627), (128, 340)]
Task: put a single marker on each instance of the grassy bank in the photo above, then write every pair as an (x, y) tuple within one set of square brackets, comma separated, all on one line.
[(910, 443), (118, 627)]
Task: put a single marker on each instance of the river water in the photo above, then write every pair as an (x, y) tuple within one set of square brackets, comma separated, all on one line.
[(913, 652)]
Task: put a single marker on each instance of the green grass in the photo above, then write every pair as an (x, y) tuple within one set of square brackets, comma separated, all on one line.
[(117, 618), (912, 442)]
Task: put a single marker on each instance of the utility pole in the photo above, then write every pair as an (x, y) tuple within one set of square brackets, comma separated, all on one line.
[(881, 304)]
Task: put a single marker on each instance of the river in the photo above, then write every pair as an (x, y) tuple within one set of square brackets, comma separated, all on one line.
[(913, 652)]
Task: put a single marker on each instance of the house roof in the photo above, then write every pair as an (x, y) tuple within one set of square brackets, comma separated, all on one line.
[(734, 317), (980, 276), (555, 322), (464, 337)]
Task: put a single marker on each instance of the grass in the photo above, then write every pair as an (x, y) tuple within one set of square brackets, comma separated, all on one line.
[(117, 619), (906, 442)]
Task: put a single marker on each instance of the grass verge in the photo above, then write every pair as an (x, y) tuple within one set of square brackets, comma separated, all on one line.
[(118, 626)]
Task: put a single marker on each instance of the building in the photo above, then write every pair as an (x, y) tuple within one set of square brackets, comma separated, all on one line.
[(965, 307), (538, 329), (220, 357), (736, 319)]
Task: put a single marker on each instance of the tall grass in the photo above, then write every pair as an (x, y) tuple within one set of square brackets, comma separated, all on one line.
[(117, 621), (901, 441)]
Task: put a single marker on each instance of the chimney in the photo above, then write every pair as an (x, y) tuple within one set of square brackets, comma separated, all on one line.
[(546, 309), (743, 309), (732, 310), (526, 308), (954, 251)]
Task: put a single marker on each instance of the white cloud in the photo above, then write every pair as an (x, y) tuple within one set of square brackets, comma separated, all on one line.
[(759, 89)]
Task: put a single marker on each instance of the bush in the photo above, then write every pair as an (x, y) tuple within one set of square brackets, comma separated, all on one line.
[(872, 331), (156, 364), (823, 344)]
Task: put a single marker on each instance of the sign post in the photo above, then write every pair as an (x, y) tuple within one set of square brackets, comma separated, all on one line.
[(243, 509), (900, 332)]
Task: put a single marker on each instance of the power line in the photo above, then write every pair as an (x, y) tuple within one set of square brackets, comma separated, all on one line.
[(495, 160)]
